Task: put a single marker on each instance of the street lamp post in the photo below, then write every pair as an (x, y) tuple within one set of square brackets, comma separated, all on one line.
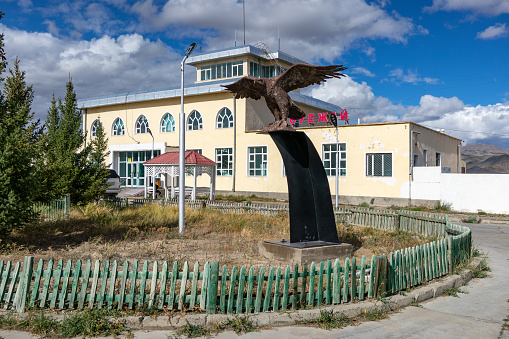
[(334, 121), (182, 144)]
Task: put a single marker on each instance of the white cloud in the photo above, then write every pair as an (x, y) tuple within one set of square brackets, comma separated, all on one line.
[(399, 76), (432, 108), (358, 99), (480, 124), (485, 7), (320, 29), (494, 32), (361, 70), (98, 67)]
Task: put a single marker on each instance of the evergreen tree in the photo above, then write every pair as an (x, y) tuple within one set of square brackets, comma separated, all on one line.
[(19, 135), (98, 168), (72, 168)]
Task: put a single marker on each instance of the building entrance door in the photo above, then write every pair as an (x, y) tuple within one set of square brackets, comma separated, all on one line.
[(131, 168)]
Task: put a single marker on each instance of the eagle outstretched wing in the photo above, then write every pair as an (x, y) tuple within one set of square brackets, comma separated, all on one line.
[(302, 75), (245, 88)]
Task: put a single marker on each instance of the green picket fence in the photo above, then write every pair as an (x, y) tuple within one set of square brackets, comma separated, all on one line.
[(53, 210), (427, 224), (241, 291), (171, 287)]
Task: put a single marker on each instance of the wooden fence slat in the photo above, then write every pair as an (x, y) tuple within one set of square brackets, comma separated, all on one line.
[(153, 285), (250, 284), (37, 281), (104, 283), (47, 279), (95, 280), (286, 288), (336, 286), (362, 278), (231, 291), (183, 284), (346, 277), (328, 286), (56, 283), (275, 305), (173, 282), (295, 286), (268, 290), (84, 285), (311, 288), (353, 287), (204, 284), (143, 285), (302, 296), (320, 284), (123, 284), (194, 285), (240, 293), (113, 281), (132, 276), (259, 289)]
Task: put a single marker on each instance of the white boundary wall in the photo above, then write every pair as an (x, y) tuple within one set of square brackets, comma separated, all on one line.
[(465, 192)]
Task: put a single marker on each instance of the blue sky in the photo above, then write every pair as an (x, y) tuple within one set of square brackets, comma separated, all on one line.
[(441, 63)]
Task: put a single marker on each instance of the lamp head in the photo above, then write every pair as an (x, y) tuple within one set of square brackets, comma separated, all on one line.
[(333, 119), (190, 49)]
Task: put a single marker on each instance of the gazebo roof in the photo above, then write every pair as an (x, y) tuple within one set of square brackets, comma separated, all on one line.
[(172, 158)]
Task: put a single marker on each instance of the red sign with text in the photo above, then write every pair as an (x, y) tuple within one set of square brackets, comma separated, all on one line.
[(322, 117)]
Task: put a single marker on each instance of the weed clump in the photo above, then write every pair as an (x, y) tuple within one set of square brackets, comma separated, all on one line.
[(328, 320)]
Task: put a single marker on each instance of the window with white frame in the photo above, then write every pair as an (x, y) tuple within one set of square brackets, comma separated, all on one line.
[(224, 118), (257, 161), (416, 160), (425, 157), (379, 164), (167, 123), (194, 121), (222, 70), (141, 125), (330, 155), (94, 127), (438, 159), (224, 159), (118, 127)]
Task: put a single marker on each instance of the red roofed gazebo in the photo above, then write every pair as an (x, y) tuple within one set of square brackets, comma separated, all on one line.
[(167, 164)]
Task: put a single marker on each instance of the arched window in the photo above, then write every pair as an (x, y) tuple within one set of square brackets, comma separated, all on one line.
[(194, 122), (224, 118), (93, 128), (167, 123), (141, 125), (118, 127)]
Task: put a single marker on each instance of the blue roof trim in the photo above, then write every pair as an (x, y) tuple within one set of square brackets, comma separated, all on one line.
[(193, 89)]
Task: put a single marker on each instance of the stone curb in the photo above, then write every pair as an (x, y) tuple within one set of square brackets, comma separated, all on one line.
[(288, 318)]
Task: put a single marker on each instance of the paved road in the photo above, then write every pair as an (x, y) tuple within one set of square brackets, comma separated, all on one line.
[(477, 313)]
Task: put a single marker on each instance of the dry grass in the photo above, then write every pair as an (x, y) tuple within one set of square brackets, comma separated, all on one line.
[(151, 233)]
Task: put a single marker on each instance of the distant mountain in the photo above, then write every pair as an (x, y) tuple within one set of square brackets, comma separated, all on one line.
[(483, 149), (485, 158)]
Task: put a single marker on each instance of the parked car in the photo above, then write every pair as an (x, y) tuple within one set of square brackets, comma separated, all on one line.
[(113, 183)]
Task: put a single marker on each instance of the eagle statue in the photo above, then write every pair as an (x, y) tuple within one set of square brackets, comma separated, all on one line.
[(275, 90)]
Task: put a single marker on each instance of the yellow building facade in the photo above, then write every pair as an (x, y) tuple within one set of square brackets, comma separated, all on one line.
[(374, 161)]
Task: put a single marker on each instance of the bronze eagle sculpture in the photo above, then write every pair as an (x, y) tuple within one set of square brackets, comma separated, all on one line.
[(275, 90)]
